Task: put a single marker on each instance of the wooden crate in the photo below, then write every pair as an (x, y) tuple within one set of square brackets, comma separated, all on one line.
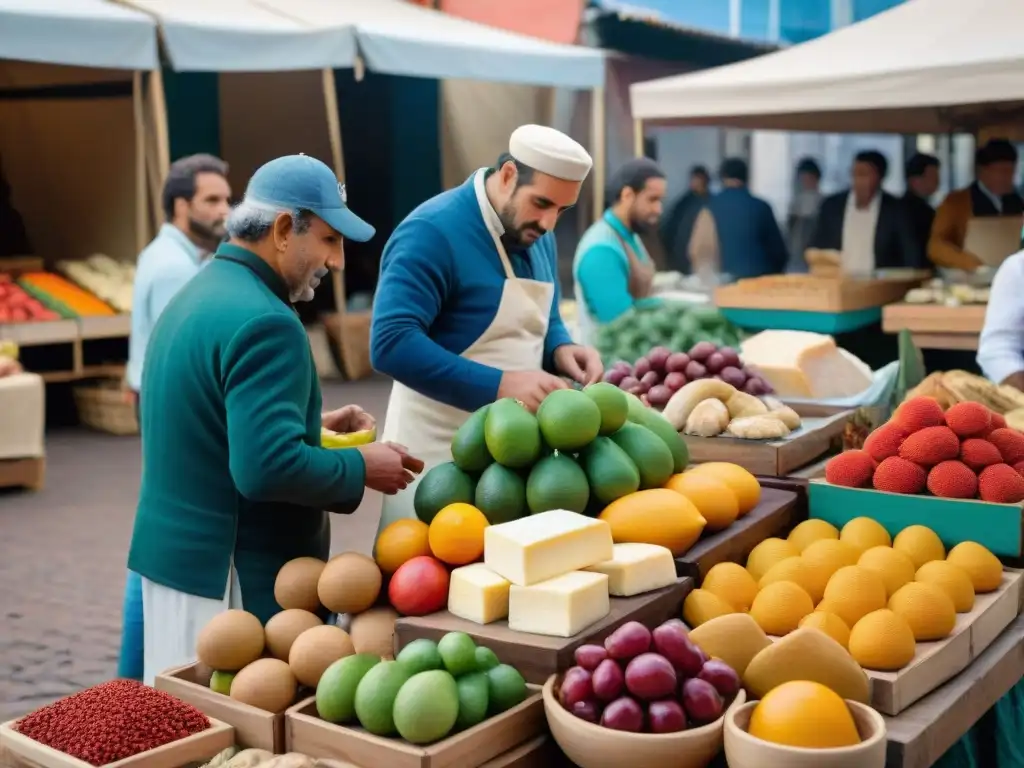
[(255, 728), (809, 293), (23, 752), (935, 663), (537, 657), (23, 473), (801, 447), (475, 747), (934, 326), (776, 513)]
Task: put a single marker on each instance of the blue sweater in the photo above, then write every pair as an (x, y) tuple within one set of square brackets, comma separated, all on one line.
[(440, 284), (749, 237)]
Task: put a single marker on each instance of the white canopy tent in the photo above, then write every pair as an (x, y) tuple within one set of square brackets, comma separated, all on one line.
[(925, 66), (73, 117)]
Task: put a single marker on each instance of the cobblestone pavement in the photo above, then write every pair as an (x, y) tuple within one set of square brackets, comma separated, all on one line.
[(63, 551)]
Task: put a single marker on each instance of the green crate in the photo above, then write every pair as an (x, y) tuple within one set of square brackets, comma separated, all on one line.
[(798, 320), (995, 526)]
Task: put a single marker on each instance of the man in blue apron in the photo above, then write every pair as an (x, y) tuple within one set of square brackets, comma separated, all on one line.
[(466, 309)]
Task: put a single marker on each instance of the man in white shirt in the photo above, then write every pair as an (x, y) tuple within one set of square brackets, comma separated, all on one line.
[(196, 202), (870, 227), (1001, 345)]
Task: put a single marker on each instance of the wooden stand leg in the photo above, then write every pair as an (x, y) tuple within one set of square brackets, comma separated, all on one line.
[(23, 473)]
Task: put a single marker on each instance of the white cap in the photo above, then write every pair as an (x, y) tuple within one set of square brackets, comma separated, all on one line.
[(550, 152)]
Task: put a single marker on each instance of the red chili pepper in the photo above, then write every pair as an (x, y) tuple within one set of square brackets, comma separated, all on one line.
[(112, 721)]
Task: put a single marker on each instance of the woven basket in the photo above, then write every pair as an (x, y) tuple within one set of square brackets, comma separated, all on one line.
[(103, 406)]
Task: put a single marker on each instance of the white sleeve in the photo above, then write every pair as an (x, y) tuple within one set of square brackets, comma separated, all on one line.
[(1001, 345)]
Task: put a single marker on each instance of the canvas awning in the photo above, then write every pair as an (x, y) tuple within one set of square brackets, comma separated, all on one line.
[(82, 33), (247, 36), (399, 38), (925, 66)]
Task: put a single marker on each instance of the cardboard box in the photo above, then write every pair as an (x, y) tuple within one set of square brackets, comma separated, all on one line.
[(254, 727), (473, 748), (22, 752), (995, 526)]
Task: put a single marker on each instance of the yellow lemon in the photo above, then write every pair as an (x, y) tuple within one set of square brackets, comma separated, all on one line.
[(799, 572), (883, 641), (951, 579), (716, 501), (853, 592), (830, 624), (920, 544), (982, 567), (824, 557), (865, 533), (767, 554), (927, 609), (895, 568), (733, 583), (810, 531), (743, 483), (779, 607), (701, 606)]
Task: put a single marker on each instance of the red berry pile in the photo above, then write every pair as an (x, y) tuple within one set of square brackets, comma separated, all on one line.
[(112, 721), (967, 452)]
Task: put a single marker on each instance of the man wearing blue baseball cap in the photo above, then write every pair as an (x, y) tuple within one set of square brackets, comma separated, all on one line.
[(234, 480)]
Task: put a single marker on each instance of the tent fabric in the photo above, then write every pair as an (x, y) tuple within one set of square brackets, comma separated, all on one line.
[(925, 66), (399, 38), (247, 36), (85, 33)]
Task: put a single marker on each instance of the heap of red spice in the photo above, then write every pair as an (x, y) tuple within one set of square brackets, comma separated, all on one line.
[(965, 453), (112, 721)]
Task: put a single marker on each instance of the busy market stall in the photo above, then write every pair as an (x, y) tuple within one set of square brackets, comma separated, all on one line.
[(739, 543)]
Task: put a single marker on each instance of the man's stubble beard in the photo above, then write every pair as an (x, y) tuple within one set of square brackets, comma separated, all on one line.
[(210, 235)]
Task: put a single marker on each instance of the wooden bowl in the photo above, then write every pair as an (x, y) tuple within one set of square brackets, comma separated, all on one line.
[(745, 751), (591, 746)]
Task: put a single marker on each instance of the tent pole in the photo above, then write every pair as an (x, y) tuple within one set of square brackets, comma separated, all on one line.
[(158, 105), (598, 147), (338, 160), (141, 194), (638, 137)]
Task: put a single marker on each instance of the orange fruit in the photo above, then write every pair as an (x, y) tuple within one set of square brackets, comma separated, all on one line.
[(456, 534), (399, 542), (743, 483), (804, 714), (716, 501)]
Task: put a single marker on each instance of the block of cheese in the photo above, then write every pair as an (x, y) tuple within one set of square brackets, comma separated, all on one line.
[(560, 607), (539, 547), (805, 365), (636, 568), (476, 593)]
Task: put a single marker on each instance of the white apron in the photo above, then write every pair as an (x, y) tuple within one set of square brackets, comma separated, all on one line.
[(514, 341), (172, 621)]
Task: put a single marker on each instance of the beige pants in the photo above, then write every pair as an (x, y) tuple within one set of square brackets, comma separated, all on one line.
[(172, 621)]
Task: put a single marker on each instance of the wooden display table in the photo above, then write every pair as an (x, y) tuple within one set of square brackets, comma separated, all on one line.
[(537, 657), (934, 326), (920, 735)]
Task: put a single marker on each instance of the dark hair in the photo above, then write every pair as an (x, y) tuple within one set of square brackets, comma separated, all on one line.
[(700, 170), (633, 174), (995, 151), (875, 159), (918, 164), (810, 166), (734, 168), (181, 178), (524, 173)]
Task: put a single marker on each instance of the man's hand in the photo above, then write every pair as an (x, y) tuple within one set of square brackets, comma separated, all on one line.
[(351, 418), (9, 366), (386, 467), (529, 387), (581, 364)]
